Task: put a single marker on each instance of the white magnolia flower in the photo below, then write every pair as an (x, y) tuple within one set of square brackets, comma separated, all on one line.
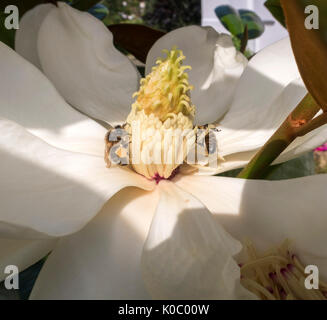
[(114, 233)]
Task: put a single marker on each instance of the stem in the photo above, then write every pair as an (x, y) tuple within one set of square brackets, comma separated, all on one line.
[(245, 39), (298, 123), (312, 125)]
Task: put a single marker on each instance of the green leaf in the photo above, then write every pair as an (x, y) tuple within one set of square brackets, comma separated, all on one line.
[(255, 25), (321, 161), (276, 10), (135, 38), (309, 45), (6, 36), (230, 174), (299, 167), (99, 11), (230, 19), (235, 21)]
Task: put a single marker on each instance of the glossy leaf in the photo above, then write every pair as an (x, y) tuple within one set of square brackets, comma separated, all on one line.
[(296, 168), (134, 38), (235, 21), (309, 46), (230, 19), (299, 167), (99, 11), (275, 8), (255, 25)]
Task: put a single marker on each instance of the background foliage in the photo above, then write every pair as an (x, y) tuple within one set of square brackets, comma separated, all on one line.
[(165, 15), (170, 14)]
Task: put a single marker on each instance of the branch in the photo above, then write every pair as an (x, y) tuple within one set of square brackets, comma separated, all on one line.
[(312, 125), (245, 39), (298, 123)]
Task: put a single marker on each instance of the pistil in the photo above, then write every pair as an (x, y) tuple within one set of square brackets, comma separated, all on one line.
[(161, 120)]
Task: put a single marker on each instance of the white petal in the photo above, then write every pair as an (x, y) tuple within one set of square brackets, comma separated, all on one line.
[(216, 67), (47, 191), (77, 54), (28, 98), (27, 34), (230, 162), (304, 144), (297, 148), (268, 212), (242, 144), (22, 253), (187, 254), (102, 261), (254, 129), (268, 90)]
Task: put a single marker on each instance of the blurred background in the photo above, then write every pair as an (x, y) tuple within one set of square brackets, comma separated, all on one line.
[(167, 15)]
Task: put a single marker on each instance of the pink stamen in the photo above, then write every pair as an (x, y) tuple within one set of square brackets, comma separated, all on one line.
[(270, 289), (284, 272), (290, 267), (282, 293), (273, 276), (157, 178)]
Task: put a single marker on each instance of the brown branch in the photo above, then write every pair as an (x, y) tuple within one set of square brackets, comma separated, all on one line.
[(312, 125), (245, 39), (297, 123)]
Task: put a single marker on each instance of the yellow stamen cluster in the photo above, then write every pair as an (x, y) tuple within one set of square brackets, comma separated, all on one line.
[(165, 91), (160, 146), (163, 109)]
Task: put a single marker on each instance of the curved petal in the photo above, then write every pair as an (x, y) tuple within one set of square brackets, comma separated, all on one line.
[(297, 148), (230, 162), (301, 145), (254, 129), (47, 191), (268, 212), (242, 144), (77, 54), (27, 34), (22, 253), (102, 261), (187, 255), (268, 90), (29, 99), (216, 67)]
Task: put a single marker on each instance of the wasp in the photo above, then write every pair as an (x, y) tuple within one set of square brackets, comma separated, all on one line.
[(117, 146)]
